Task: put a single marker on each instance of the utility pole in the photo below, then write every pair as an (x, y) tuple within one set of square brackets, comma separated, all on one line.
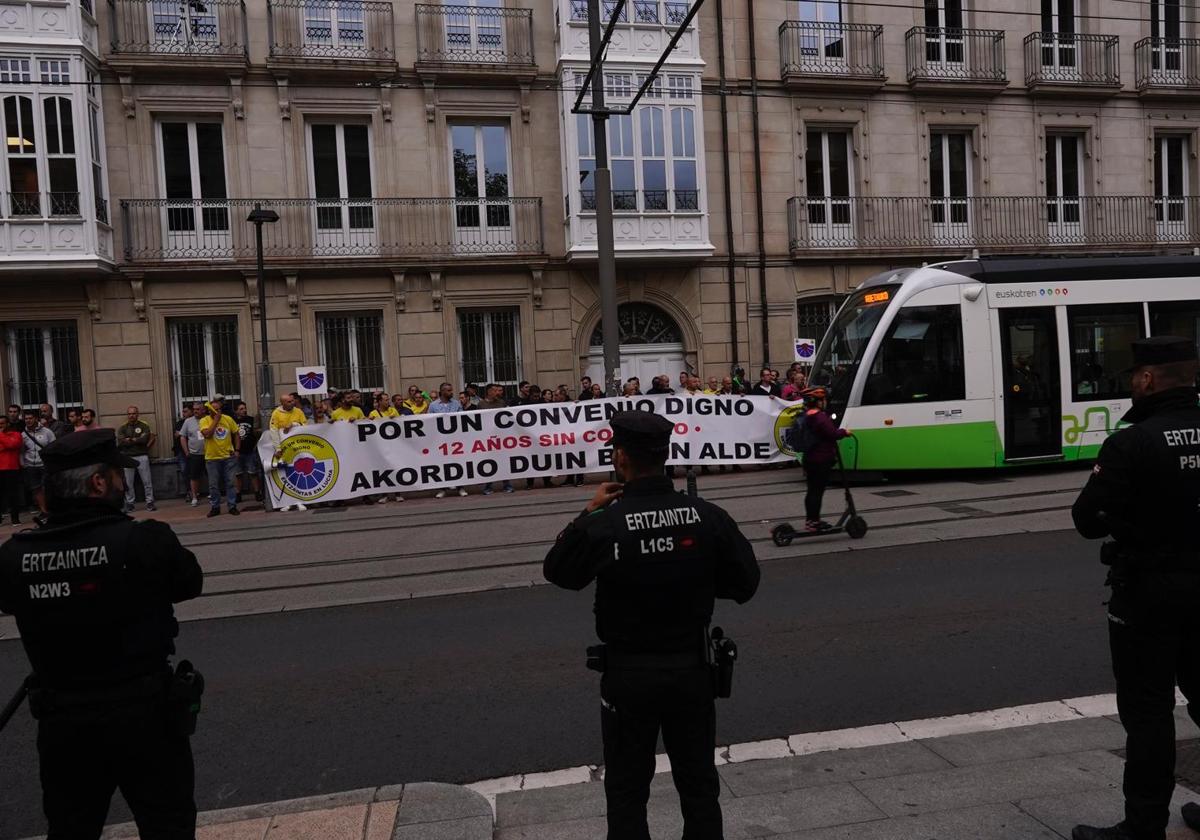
[(606, 259), (606, 264)]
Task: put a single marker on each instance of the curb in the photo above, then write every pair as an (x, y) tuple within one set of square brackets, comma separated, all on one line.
[(426, 811)]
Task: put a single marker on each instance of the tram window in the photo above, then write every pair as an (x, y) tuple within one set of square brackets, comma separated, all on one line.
[(1101, 336), (920, 360), (1176, 317)]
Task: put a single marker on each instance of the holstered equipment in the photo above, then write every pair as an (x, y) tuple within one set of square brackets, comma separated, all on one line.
[(723, 653)]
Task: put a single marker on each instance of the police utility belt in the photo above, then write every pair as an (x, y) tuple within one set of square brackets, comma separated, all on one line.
[(1126, 563), (719, 655), (181, 688)]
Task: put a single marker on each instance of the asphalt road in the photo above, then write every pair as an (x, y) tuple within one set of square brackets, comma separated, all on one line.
[(466, 687)]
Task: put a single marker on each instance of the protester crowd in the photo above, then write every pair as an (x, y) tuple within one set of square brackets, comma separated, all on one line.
[(215, 443)]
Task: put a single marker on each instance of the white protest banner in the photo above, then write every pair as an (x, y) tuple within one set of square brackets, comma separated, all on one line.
[(311, 380), (806, 348), (335, 461)]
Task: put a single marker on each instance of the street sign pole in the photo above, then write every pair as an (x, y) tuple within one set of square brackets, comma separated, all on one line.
[(606, 263)]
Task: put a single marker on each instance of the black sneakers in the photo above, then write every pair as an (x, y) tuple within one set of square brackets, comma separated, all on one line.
[(1191, 815), (1087, 832), (233, 511), (214, 512)]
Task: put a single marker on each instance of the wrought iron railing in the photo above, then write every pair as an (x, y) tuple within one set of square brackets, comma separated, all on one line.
[(1167, 62), (102, 210), (336, 29), (991, 222), (961, 55), (645, 201), (652, 12), (1072, 59), (178, 27), (831, 49), (43, 205), (216, 229), (485, 35)]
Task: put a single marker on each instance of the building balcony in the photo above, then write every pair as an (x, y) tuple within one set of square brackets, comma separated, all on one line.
[(642, 31), (53, 228), (962, 60), (396, 229), (919, 225), (41, 23), (316, 36), (831, 56), (475, 41), (645, 201), (668, 224), (1072, 64), (1167, 66), (181, 35)]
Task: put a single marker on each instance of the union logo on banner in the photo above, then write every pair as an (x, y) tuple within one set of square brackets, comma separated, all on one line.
[(311, 380)]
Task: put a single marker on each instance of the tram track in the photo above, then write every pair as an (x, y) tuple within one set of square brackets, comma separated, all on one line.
[(393, 519), (543, 544)]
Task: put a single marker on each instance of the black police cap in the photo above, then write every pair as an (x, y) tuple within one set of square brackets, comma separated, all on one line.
[(642, 431), (84, 449), (1162, 350)]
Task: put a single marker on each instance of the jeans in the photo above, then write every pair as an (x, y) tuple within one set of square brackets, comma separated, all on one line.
[(227, 469), (142, 469)]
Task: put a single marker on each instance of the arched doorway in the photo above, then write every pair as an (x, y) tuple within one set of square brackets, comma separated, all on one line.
[(651, 343)]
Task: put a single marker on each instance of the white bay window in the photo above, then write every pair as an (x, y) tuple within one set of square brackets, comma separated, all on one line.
[(652, 152)]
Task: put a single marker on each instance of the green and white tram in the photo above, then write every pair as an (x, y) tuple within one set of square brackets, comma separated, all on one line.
[(996, 362)]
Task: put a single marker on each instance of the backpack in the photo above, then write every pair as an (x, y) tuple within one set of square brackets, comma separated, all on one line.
[(799, 436)]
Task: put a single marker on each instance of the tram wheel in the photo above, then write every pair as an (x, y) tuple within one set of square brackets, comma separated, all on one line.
[(782, 534), (856, 527)]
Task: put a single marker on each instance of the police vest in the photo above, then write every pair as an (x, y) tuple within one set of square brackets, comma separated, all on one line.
[(657, 595), (1171, 507), (90, 612)]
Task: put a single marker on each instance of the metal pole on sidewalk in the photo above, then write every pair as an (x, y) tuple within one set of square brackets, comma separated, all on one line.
[(606, 265), (258, 218)]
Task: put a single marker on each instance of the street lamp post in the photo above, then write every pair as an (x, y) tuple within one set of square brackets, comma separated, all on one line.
[(258, 218)]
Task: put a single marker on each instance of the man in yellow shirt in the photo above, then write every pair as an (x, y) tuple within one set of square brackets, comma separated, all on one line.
[(416, 402), (287, 414), (284, 418), (221, 443), (383, 409), (347, 410)]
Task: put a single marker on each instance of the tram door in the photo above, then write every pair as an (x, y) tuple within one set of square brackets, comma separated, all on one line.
[(1032, 392)]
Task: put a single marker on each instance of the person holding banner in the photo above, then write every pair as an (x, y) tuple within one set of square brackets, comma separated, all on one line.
[(494, 398), (447, 404), (659, 559), (286, 416)]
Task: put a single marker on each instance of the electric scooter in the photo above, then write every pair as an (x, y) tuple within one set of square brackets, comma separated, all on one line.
[(849, 522)]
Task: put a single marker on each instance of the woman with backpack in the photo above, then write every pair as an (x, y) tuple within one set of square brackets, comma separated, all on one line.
[(819, 439)]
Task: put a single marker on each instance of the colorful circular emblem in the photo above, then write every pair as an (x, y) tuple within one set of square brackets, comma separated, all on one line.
[(784, 422), (307, 467)]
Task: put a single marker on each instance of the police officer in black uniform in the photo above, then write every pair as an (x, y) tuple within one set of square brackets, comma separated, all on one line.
[(659, 558), (92, 592), (1144, 494)]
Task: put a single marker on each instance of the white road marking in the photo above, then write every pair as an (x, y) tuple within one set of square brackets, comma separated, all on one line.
[(809, 743)]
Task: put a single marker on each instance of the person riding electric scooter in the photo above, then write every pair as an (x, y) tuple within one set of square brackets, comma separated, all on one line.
[(820, 455)]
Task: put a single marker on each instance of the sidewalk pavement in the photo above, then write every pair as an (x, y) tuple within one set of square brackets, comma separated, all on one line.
[(991, 781)]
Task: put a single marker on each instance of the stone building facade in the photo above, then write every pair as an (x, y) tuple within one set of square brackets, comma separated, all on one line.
[(433, 187)]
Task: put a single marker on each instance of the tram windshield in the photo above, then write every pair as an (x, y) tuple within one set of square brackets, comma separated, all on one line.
[(842, 348)]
